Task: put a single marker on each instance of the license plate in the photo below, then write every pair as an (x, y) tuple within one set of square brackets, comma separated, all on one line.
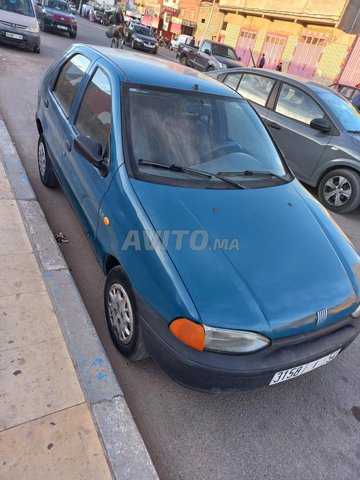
[(297, 371), (61, 27), (13, 35)]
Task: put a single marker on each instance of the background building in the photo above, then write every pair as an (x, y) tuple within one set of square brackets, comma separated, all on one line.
[(310, 37)]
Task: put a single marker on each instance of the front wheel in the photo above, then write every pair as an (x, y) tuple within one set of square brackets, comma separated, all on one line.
[(210, 69), (339, 190), (122, 316), (183, 61), (132, 44), (72, 35), (46, 171)]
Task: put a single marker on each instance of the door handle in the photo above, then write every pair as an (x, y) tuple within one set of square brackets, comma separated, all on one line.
[(273, 125), (68, 145), (46, 102)]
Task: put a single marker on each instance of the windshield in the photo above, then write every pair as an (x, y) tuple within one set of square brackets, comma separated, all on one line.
[(57, 5), (142, 31), (343, 110), (224, 51), (202, 132), (23, 7)]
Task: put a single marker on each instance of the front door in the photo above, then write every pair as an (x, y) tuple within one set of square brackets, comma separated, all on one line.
[(289, 123), (92, 117), (202, 57)]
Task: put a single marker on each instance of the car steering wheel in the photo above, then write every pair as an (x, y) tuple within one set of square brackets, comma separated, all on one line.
[(226, 147)]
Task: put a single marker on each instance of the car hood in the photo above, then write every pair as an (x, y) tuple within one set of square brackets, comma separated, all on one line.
[(54, 11), (228, 61), (146, 38), (291, 262), (17, 18)]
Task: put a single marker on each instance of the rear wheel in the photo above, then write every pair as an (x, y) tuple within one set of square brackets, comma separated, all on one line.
[(132, 44), (210, 69), (183, 61), (36, 49), (339, 190), (122, 316), (46, 171)]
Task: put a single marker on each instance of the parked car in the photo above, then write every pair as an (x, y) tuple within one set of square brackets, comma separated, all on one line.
[(316, 128), (72, 8), (18, 24), (180, 39), (140, 37), (56, 15), (350, 93), (218, 262), (98, 17), (208, 56)]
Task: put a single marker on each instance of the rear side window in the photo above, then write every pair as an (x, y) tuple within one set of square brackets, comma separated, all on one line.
[(94, 118), (69, 80), (296, 104), (256, 88), (232, 80)]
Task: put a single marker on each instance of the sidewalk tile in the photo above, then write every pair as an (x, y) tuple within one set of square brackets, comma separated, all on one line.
[(36, 380), (61, 446), (13, 236), (26, 319), (5, 190), (20, 274)]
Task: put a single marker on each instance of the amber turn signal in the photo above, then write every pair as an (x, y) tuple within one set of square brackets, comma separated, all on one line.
[(190, 333)]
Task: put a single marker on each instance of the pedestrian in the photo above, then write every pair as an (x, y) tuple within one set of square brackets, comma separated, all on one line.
[(119, 29), (279, 67), (192, 42), (262, 61)]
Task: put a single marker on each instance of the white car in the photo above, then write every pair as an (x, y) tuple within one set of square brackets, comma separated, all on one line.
[(180, 39)]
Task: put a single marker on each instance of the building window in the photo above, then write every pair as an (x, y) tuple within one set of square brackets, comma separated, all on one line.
[(192, 14), (224, 25), (203, 20), (182, 12)]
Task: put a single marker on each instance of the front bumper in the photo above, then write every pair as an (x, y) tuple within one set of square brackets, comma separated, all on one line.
[(60, 26), (215, 372), (145, 46), (20, 38)]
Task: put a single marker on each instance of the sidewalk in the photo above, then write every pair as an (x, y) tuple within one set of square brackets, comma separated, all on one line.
[(62, 411)]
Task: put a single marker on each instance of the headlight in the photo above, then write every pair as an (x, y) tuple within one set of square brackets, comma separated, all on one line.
[(233, 341), (138, 40), (33, 28), (202, 337), (356, 314)]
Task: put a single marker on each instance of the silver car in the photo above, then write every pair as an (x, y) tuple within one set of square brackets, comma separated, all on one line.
[(18, 24), (317, 129)]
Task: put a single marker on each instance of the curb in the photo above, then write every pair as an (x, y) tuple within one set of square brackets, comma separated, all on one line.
[(125, 450)]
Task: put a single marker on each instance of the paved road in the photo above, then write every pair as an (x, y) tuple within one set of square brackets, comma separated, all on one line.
[(304, 429)]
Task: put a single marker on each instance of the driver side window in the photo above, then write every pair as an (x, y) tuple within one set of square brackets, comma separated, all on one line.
[(94, 117)]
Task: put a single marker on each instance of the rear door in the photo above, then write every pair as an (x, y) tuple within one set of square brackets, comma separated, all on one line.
[(92, 117), (201, 59), (289, 122), (57, 103), (257, 89)]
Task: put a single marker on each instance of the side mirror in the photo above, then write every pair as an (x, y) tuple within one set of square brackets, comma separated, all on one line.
[(207, 51), (92, 152), (321, 125)]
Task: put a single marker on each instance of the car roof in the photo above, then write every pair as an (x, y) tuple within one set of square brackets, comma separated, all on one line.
[(144, 69)]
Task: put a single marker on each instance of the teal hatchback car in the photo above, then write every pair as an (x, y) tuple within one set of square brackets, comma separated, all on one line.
[(218, 262)]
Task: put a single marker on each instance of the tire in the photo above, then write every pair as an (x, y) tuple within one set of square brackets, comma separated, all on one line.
[(124, 325), (345, 186), (154, 52), (72, 35), (132, 44), (210, 69), (36, 49), (46, 171), (183, 61)]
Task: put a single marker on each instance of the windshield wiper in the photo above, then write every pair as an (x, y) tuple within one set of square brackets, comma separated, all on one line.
[(354, 131), (181, 169), (253, 173)]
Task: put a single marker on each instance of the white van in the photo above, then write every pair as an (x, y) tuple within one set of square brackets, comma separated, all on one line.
[(18, 24), (180, 39)]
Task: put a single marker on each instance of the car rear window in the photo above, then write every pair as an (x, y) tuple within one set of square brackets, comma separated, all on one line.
[(69, 80)]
